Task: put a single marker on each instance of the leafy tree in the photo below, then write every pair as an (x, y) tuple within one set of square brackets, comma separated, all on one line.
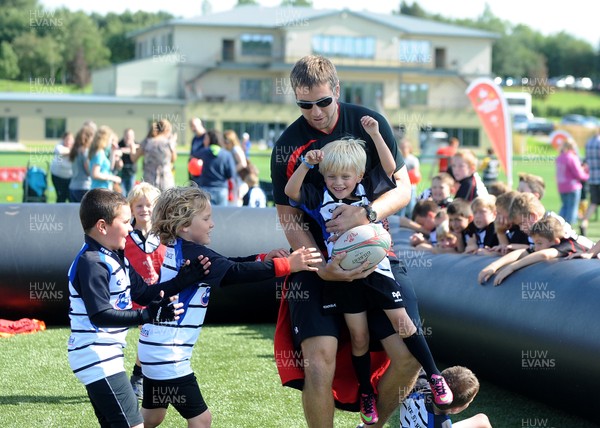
[(297, 3), (246, 3), (568, 55), (15, 18), (39, 57), (411, 10), (9, 62)]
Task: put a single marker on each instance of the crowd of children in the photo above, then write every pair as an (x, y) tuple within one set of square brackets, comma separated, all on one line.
[(465, 216)]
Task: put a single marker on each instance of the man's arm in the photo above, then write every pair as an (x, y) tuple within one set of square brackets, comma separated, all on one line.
[(529, 259)]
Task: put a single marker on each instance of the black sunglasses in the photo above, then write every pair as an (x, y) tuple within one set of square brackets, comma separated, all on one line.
[(323, 102)]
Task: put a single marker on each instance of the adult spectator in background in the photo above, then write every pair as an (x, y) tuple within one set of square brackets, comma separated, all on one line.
[(198, 133), (324, 119), (592, 158), (445, 153), (81, 181), (218, 167), (232, 144), (61, 168), (414, 174), (159, 152), (128, 147), (569, 175), (246, 144)]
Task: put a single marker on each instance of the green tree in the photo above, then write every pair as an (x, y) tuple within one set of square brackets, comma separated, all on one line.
[(9, 62), (411, 10), (39, 57), (246, 3), (297, 3), (15, 16), (568, 55)]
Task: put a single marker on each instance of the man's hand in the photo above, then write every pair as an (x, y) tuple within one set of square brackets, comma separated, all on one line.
[(345, 217), (332, 271)]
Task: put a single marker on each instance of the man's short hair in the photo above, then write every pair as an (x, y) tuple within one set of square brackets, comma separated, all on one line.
[(313, 70), (424, 207), (99, 204)]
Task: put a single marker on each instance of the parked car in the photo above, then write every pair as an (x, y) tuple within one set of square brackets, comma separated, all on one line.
[(520, 123), (578, 119), (540, 125)]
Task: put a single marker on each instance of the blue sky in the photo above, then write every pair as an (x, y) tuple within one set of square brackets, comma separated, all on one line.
[(576, 17)]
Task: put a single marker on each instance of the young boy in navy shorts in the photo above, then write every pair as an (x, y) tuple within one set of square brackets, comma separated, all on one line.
[(102, 287)]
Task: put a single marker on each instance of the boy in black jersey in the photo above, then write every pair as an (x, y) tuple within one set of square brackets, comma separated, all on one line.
[(102, 286)]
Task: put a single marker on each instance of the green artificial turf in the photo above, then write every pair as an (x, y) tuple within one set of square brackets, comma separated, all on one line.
[(236, 371)]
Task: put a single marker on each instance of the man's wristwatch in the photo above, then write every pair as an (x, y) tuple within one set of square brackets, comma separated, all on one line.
[(371, 214)]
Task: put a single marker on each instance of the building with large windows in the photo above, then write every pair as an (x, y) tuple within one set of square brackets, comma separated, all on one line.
[(231, 69)]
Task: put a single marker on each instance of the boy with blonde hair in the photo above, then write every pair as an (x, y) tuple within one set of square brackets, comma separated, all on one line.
[(481, 232), (464, 170)]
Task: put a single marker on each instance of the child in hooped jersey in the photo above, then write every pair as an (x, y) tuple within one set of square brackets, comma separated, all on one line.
[(144, 251), (182, 218), (102, 286)]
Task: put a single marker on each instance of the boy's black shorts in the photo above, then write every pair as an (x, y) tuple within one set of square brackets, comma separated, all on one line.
[(183, 393), (114, 402), (304, 296)]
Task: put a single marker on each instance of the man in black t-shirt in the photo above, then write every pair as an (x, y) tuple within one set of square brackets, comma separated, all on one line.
[(324, 119)]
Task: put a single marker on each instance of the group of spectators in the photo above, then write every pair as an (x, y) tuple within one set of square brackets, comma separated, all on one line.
[(96, 158)]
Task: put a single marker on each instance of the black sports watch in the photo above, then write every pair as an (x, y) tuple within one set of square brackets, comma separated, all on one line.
[(371, 214)]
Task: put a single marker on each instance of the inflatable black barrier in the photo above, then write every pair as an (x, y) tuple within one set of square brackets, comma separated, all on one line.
[(538, 333), (41, 240)]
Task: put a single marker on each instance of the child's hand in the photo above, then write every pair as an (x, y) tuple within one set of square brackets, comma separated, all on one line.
[(305, 259), (313, 157), (502, 249), (485, 274), (279, 252), (416, 239), (370, 125), (502, 275), (579, 256)]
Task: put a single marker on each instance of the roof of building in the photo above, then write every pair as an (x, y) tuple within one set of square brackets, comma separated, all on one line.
[(253, 16), (83, 98)]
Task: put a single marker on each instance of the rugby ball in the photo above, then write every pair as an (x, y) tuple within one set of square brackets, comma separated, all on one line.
[(369, 242)]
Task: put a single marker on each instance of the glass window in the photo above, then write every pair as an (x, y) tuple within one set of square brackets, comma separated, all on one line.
[(257, 44), (8, 129), (362, 93), (413, 94), (415, 51), (55, 128), (256, 90), (344, 46)]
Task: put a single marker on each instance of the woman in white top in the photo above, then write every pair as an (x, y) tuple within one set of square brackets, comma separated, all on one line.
[(61, 168)]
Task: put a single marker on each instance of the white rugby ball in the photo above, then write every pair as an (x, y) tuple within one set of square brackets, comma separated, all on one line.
[(369, 242)]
